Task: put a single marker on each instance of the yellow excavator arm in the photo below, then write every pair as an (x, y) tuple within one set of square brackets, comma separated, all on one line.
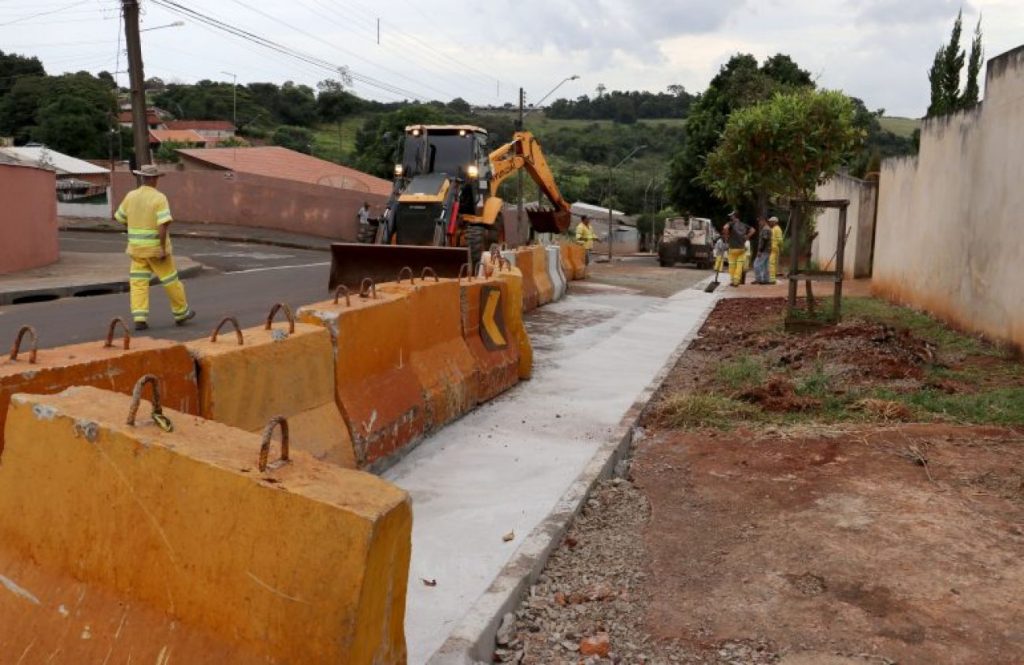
[(524, 152)]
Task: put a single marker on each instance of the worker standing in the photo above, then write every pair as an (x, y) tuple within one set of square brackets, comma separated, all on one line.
[(773, 258), (720, 250), (585, 236), (764, 242), (148, 216), (364, 214), (736, 235)]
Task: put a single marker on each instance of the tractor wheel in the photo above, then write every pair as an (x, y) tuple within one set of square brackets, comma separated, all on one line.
[(478, 242), (668, 252), (367, 233)]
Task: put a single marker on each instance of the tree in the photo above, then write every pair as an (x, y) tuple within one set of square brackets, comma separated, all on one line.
[(378, 141), (460, 105), (14, 67), (945, 73), (784, 147), (299, 139), (738, 84)]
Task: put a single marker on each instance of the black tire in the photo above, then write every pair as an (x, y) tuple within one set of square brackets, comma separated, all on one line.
[(668, 252), (367, 233)]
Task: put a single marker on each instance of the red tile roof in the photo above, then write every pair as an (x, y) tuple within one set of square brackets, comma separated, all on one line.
[(278, 162), (210, 125), (151, 117), (177, 136)]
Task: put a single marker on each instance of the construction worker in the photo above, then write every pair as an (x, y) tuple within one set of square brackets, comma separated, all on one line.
[(148, 216), (720, 250), (764, 242), (773, 258), (585, 236), (736, 234)]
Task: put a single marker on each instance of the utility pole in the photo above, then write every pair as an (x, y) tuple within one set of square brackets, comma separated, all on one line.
[(137, 81), (234, 98), (519, 172)]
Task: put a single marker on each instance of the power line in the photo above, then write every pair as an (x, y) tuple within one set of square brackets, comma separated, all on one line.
[(193, 14), (45, 13)]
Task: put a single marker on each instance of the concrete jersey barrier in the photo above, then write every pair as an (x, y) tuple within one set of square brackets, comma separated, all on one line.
[(184, 546), (545, 289), (531, 295), (112, 365), (376, 388), (513, 278), (489, 334), (248, 376), (554, 264)]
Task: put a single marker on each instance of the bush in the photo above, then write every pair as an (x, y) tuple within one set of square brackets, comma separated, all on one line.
[(299, 139)]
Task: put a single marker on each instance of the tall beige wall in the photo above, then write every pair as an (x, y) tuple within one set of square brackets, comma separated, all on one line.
[(950, 236), (28, 218), (860, 225)]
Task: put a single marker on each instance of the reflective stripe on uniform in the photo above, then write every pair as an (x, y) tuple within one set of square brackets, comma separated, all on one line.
[(140, 314), (163, 216), (180, 313), (140, 275), (170, 279), (121, 215)]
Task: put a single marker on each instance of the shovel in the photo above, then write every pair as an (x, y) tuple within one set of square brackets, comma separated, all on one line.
[(712, 285)]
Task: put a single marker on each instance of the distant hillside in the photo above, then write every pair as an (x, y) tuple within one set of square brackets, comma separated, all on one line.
[(900, 126)]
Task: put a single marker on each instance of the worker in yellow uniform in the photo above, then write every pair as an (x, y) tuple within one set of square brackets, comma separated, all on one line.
[(585, 236), (148, 216), (773, 258), (736, 234)]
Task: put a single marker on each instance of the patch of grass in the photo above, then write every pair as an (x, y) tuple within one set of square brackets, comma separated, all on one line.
[(816, 384), (1000, 406), (899, 126), (691, 410), (743, 372), (334, 142), (919, 323)]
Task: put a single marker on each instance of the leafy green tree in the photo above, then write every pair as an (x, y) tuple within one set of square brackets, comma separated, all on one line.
[(333, 102), (947, 67), (168, 151), (14, 67), (379, 140), (739, 83), (297, 105), (299, 139), (784, 147)]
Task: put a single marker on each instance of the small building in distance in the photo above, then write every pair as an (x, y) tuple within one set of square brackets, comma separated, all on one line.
[(154, 118), (214, 131), (179, 137)]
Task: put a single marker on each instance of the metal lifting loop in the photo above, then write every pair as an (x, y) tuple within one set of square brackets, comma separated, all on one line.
[(265, 445), (367, 289), (234, 322), (467, 269), (17, 344), (158, 415), (337, 293), (402, 272), (504, 264), (110, 334), (288, 314), (429, 271)]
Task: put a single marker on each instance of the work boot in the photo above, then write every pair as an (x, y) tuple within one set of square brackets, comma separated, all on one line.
[(185, 319), (141, 325)]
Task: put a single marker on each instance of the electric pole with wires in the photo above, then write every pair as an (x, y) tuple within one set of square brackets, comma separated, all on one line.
[(137, 82)]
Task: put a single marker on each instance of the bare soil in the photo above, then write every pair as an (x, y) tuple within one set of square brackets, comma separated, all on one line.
[(814, 539)]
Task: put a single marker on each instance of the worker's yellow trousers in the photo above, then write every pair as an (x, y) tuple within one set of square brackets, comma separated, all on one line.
[(736, 259), (142, 272), (773, 264), (719, 260)]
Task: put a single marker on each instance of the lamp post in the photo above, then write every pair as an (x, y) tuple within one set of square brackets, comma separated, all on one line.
[(610, 190), (176, 24), (234, 98), (519, 127)]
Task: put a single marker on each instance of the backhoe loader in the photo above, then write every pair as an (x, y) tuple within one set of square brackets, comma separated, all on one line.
[(444, 210)]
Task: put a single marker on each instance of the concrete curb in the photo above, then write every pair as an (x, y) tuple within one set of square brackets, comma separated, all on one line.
[(85, 288), (473, 639), (210, 236)]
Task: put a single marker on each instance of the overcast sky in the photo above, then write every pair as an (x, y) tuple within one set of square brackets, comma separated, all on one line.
[(878, 50)]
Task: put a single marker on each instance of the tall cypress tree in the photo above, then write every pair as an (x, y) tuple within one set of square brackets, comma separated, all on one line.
[(944, 74), (971, 94)]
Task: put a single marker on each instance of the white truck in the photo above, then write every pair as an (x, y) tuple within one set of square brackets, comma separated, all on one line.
[(687, 240)]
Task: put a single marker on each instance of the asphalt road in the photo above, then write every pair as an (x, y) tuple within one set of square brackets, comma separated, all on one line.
[(216, 254), (245, 281)]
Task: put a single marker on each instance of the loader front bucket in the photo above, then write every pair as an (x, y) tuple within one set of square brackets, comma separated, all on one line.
[(549, 221), (353, 262)]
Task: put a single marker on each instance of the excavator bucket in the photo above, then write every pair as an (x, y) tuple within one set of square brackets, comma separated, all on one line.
[(353, 262), (549, 221)]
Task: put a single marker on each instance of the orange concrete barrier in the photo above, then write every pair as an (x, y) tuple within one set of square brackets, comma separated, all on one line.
[(438, 354), (247, 378), (485, 304), (513, 279), (122, 541), (539, 264), (567, 266), (109, 365), (579, 261), (531, 295), (375, 386)]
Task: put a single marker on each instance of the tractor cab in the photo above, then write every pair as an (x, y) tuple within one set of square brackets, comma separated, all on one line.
[(457, 151)]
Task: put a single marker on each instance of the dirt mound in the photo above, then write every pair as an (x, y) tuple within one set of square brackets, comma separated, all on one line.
[(778, 394)]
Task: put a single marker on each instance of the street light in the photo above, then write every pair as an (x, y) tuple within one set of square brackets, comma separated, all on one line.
[(176, 24), (551, 92), (610, 170), (234, 98)]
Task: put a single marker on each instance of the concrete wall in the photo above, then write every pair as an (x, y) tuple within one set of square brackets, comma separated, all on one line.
[(87, 210), (860, 225), (28, 218), (238, 199), (949, 236)]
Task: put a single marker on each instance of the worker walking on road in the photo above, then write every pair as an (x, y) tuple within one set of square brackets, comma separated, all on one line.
[(148, 216), (736, 234), (585, 236), (773, 258)]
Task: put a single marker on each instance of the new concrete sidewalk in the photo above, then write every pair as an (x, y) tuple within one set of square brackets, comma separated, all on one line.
[(78, 274), (211, 232), (524, 463)]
